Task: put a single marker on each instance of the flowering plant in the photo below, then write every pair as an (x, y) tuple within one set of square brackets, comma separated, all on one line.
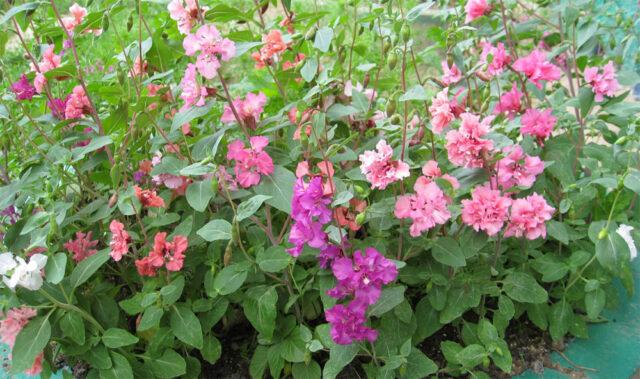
[(311, 190)]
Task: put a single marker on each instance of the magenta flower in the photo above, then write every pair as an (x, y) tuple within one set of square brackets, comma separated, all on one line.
[(528, 216), (427, 207), (537, 124), (517, 168), (212, 46), (310, 212), (23, 88), (536, 67), (509, 103), (347, 324), (604, 83), (379, 167), (465, 146), (58, 107), (251, 162), (77, 103), (487, 210)]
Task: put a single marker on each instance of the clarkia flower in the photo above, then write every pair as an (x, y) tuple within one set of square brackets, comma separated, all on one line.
[(499, 58), (347, 324), (441, 112), (212, 47), (249, 110), (465, 146), (77, 103), (380, 169), (185, 12), (346, 216), (120, 240), (192, 92), (536, 68), (273, 45), (15, 320), (538, 124), (475, 9), (517, 168), (509, 103), (427, 207), (602, 84), (23, 89), (486, 210), (82, 246), (252, 162), (528, 217), (450, 75), (148, 198), (16, 271), (310, 212), (164, 253)]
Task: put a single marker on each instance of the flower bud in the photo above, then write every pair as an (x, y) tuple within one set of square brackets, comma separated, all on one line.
[(386, 46), (115, 176), (105, 23), (361, 191), (392, 61), (130, 22), (405, 32), (214, 184), (311, 33), (113, 200), (395, 119), (228, 254), (603, 234), (361, 218), (391, 108)]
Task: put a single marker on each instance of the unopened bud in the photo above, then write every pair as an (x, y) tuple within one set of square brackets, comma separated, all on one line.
[(405, 32), (130, 22), (395, 119), (113, 200), (391, 108), (603, 234), (392, 61), (386, 46), (361, 218)]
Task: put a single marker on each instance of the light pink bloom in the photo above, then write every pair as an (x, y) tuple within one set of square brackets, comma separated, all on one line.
[(139, 67), (465, 146), (192, 92), (427, 207), (208, 41), (50, 60), (604, 83), (536, 67), (509, 103), (537, 124), (119, 240), (77, 15), (475, 9), (499, 58), (517, 168), (185, 13), (77, 104), (487, 210), (441, 113), (249, 109), (15, 320), (379, 167), (250, 163), (39, 82), (528, 216), (450, 75), (369, 92), (432, 171)]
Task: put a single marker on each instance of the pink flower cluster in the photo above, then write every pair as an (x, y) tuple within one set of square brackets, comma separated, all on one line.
[(310, 212), (509, 103), (444, 111), (538, 124), (211, 46), (602, 84), (120, 240), (185, 12), (360, 278), (249, 110), (76, 17), (528, 216), (252, 162), (23, 89), (81, 247), (465, 146), (15, 320), (164, 253), (380, 169), (49, 61), (273, 45), (475, 9), (495, 57), (536, 68), (517, 168), (450, 75), (193, 93), (77, 103)]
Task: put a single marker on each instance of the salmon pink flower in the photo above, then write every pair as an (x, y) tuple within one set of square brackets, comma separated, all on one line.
[(487, 210), (537, 124), (50, 60), (273, 45), (465, 146), (325, 170), (427, 207), (517, 168), (450, 75), (536, 67), (528, 216), (379, 167), (164, 253), (346, 216), (77, 15), (212, 47), (509, 103), (120, 240), (250, 163), (475, 9), (604, 84), (148, 198), (249, 110), (82, 247), (432, 171)]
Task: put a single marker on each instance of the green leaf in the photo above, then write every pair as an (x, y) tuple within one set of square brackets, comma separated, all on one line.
[(211, 349), (260, 308), (389, 299), (447, 251), (225, 13), (54, 271), (199, 194), (30, 342), (248, 207), (594, 302), (339, 357), (273, 259), (229, 279), (169, 365), (585, 97), (95, 144), (185, 325), (418, 365), (551, 268), (172, 291), (471, 356), (121, 369), (150, 318), (259, 362), (338, 111), (85, 269), (612, 252), (114, 338), (215, 230), (72, 326), (18, 9), (416, 92), (523, 287), (191, 113), (309, 70), (560, 319), (632, 181), (279, 186), (558, 230), (323, 39), (309, 370)]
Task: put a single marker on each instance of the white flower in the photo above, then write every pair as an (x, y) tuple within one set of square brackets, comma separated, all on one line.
[(7, 263), (625, 232), (27, 275)]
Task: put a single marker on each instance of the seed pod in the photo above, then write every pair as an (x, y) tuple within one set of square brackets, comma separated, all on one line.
[(122, 76), (386, 46), (405, 32), (392, 60), (235, 233), (367, 79), (622, 140), (361, 30), (311, 33), (228, 254), (361, 191), (105, 23), (113, 200), (130, 22), (53, 227), (395, 119), (391, 107), (361, 218), (164, 35)]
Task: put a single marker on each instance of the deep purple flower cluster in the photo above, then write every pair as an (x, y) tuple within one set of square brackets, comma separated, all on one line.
[(361, 278), (310, 212)]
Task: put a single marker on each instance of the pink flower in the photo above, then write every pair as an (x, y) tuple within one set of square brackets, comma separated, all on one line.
[(517, 168), (537, 124), (192, 92), (164, 253), (211, 45), (475, 9), (379, 167), (528, 216), (139, 68), (347, 324), (23, 88), (440, 109), (39, 82), (76, 17), (77, 104), (602, 84), (487, 210), (536, 67), (427, 207), (450, 75), (273, 45), (148, 198), (250, 163), (185, 13), (14, 322), (465, 146), (249, 109), (120, 240), (499, 58), (49, 61), (509, 103), (432, 171), (82, 247), (369, 92)]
